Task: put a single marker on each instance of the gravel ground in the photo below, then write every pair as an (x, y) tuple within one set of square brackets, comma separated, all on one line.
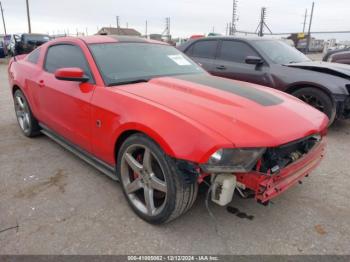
[(60, 205)]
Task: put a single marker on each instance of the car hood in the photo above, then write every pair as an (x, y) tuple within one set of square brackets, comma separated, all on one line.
[(248, 115), (341, 70)]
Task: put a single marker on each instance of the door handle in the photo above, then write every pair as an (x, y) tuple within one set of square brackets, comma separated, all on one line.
[(221, 67), (41, 83)]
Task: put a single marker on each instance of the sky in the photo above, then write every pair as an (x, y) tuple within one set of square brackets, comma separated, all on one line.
[(188, 17)]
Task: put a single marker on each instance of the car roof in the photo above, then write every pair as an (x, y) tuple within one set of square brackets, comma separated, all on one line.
[(247, 39), (96, 39)]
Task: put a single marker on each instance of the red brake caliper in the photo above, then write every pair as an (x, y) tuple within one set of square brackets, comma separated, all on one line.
[(139, 159)]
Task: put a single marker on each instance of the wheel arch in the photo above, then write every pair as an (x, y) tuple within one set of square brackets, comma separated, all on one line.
[(297, 86), (129, 131), (15, 88)]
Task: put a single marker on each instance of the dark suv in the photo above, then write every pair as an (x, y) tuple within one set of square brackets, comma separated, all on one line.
[(26, 43), (273, 63)]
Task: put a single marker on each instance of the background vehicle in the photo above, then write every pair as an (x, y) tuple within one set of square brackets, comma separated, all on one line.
[(7, 40), (2, 51), (273, 63), (340, 57), (332, 52), (25, 43), (145, 114)]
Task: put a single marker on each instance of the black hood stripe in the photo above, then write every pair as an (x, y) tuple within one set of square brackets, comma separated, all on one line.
[(251, 93)]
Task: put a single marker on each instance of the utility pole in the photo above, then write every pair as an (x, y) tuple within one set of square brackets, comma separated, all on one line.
[(3, 19), (309, 32), (262, 23), (304, 24), (166, 31), (146, 29), (117, 17), (234, 18), (28, 16)]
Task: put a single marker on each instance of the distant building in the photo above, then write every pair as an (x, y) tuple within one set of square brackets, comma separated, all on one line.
[(118, 31)]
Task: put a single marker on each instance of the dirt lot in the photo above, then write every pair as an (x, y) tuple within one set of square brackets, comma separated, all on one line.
[(63, 206)]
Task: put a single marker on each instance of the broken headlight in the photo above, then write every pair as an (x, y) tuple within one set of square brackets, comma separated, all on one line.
[(233, 160)]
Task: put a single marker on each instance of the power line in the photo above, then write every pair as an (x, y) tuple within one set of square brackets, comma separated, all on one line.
[(3, 19), (314, 32)]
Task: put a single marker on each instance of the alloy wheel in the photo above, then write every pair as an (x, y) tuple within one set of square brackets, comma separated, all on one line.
[(143, 180), (22, 113), (312, 101)]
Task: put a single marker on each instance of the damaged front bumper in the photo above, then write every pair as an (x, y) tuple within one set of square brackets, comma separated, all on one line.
[(267, 186), (343, 106)]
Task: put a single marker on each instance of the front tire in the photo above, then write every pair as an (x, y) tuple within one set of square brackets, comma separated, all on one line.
[(317, 99), (153, 186), (27, 122)]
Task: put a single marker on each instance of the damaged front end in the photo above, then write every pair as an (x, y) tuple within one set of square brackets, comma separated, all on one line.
[(282, 167), (343, 106), (272, 171)]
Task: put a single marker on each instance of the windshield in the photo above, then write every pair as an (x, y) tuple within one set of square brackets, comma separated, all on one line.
[(120, 63), (280, 52)]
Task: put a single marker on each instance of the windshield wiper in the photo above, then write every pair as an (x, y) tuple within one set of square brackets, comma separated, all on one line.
[(131, 81)]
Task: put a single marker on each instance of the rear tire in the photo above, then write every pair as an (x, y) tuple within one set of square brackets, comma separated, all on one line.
[(153, 186), (317, 99), (27, 122)]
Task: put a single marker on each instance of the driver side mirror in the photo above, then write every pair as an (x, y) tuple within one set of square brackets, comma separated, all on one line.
[(74, 74), (254, 60)]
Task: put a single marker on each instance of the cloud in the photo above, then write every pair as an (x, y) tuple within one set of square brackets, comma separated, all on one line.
[(187, 16)]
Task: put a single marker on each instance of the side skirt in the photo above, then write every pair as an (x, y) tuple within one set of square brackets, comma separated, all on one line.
[(87, 157)]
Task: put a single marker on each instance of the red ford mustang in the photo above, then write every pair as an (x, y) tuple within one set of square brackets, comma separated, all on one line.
[(145, 114)]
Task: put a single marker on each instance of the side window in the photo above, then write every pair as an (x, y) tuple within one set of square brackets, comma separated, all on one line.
[(33, 57), (235, 51), (204, 49), (65, 55), (189, 51)]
